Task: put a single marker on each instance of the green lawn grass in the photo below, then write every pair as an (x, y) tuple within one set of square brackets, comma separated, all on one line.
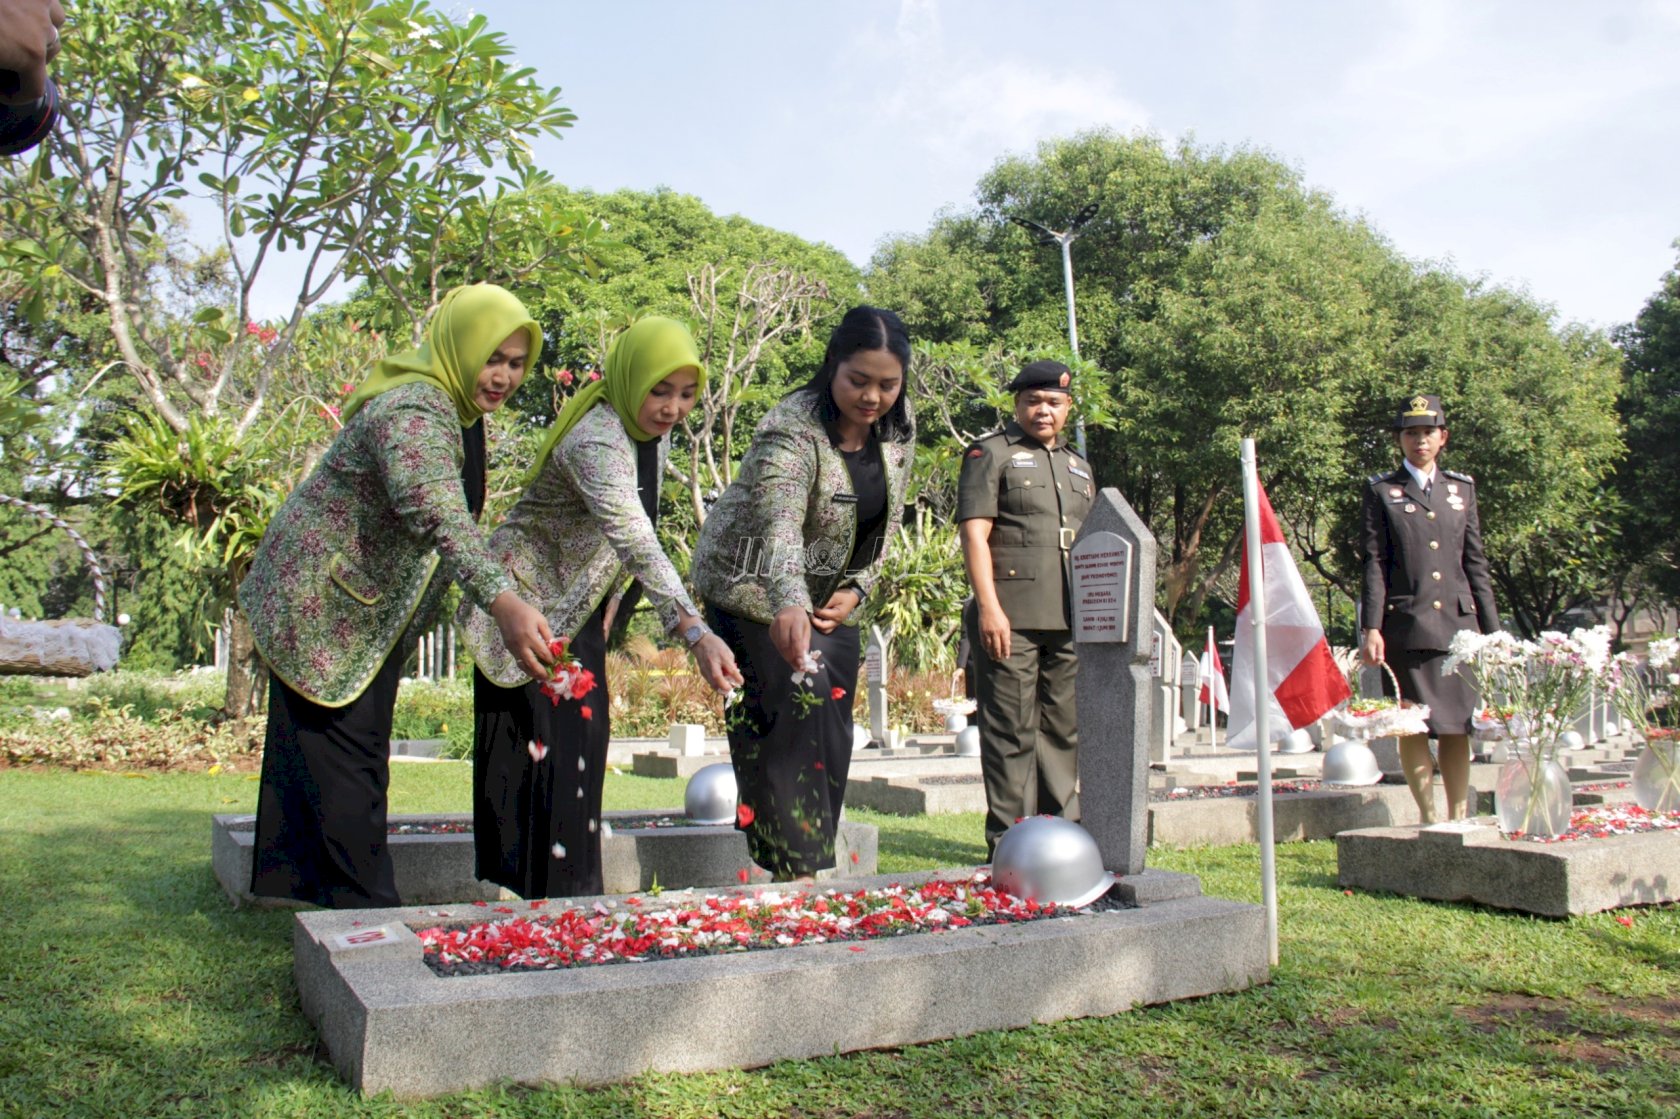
[(129, 987)]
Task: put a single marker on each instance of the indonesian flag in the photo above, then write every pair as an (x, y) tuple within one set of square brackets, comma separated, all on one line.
[(1302, 676), (1214, 674)]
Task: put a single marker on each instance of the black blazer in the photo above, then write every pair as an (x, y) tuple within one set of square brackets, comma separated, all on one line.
[(1426, 577)]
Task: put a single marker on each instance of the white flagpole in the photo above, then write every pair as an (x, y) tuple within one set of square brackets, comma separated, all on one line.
[(1262, 693), (1213, 693)]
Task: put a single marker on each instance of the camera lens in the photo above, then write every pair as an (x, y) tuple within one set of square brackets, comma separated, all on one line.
[(24, 126)]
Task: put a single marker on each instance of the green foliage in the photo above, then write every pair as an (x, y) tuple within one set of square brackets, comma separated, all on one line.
[(919, 594), (103, 735), (433, 709), (347, 133), (17, 412), (1221, 300), (1650, 408)]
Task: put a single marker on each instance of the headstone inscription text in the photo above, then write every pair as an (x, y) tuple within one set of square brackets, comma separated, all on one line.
[(1102, 578)]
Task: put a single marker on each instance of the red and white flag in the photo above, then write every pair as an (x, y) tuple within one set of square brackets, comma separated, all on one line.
[(1302, 676), (1213, 680)]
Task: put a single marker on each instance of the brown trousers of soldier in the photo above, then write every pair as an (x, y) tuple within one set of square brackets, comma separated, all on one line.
[(1029, 731)]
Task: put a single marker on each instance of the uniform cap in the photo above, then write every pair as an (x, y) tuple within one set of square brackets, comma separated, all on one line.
[(1422, 410), (1042, 375)]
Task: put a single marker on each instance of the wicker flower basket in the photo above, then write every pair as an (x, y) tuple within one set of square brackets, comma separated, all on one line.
[(1384, 722)]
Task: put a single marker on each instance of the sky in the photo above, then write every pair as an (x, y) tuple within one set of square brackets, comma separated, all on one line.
[(1535, 144)]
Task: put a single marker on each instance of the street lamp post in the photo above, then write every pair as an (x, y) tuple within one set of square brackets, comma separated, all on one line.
[(1065, 238)]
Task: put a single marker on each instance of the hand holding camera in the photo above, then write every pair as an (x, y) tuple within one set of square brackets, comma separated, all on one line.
[(28, 99)]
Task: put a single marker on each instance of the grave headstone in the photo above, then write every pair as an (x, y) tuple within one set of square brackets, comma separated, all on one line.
[(1164, 655), (1189, 690), (688, 739), (875, 676), (1115, 697)]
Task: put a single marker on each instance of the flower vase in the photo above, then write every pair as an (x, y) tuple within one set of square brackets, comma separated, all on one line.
[(1533, 795), (1656, 776)]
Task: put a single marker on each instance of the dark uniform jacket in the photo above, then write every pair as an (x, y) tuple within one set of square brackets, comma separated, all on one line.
[(1426, 577), (1036, 499)]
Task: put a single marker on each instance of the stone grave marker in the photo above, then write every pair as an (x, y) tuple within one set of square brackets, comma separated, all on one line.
[(875, 678), (1116, 686), (688, 739)]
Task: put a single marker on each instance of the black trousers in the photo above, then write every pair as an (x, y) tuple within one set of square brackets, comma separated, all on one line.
[(536, 825), (790, 762), (321, 831), (1029, 729)]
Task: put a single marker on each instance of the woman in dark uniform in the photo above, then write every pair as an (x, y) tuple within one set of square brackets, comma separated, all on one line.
[(1426, 579), (789, 551)]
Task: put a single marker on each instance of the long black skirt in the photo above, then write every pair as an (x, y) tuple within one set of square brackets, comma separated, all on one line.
[(321, 830), (1451, 699), (537, 824), (790, 760)]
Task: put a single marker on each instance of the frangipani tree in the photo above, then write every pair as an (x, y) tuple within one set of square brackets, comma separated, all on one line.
[(337, 137)]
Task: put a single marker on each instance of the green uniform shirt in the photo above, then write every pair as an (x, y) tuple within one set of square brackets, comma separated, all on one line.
[(1036, 499)]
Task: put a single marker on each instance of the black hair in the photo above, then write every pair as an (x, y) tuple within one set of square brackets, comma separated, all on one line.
[(866, 328)]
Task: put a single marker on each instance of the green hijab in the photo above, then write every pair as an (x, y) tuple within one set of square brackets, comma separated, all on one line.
[(463, 332), (648, 352)]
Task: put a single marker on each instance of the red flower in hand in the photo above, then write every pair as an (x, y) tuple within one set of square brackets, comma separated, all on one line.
[(743, 815)]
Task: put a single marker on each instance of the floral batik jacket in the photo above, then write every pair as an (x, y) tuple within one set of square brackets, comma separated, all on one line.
[(782, 532), (571, 536), (346, 564)]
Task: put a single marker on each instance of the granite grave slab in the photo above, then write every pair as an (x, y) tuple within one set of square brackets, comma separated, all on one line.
[(1472, 861), (389, 1023)]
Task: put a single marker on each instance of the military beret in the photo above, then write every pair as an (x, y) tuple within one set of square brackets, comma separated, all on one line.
[(1042, 375)]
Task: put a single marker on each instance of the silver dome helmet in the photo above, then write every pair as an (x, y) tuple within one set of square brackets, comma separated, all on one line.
[(1049, 859), (712, 795), (1351, 762)]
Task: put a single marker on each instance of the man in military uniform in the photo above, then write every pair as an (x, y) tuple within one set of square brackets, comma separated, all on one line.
[(1021, 497), (1426, 578)]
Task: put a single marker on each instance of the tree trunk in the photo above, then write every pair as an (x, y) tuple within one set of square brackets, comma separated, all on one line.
[(247, 676)]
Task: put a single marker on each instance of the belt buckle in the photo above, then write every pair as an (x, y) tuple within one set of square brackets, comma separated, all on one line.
[(1066, 539)]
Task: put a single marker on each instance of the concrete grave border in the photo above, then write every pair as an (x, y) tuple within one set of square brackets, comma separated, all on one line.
[(390, 1024), (436, 869), (1474, 862)]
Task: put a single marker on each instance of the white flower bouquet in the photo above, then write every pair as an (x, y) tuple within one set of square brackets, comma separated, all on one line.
[(1641, 692), (1532, 691)]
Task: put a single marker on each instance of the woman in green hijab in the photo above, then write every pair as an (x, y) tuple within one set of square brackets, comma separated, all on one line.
[(343, 581), (586, 519)]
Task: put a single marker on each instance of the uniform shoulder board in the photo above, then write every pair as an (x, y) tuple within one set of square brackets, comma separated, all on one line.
[(1374, 479), (978, 447), (1459, 476)]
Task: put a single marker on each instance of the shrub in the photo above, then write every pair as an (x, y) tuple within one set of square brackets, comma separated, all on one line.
[(116, 736), (434, 709)]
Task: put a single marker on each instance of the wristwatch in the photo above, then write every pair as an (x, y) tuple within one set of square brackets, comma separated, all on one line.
[(694, 633)]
